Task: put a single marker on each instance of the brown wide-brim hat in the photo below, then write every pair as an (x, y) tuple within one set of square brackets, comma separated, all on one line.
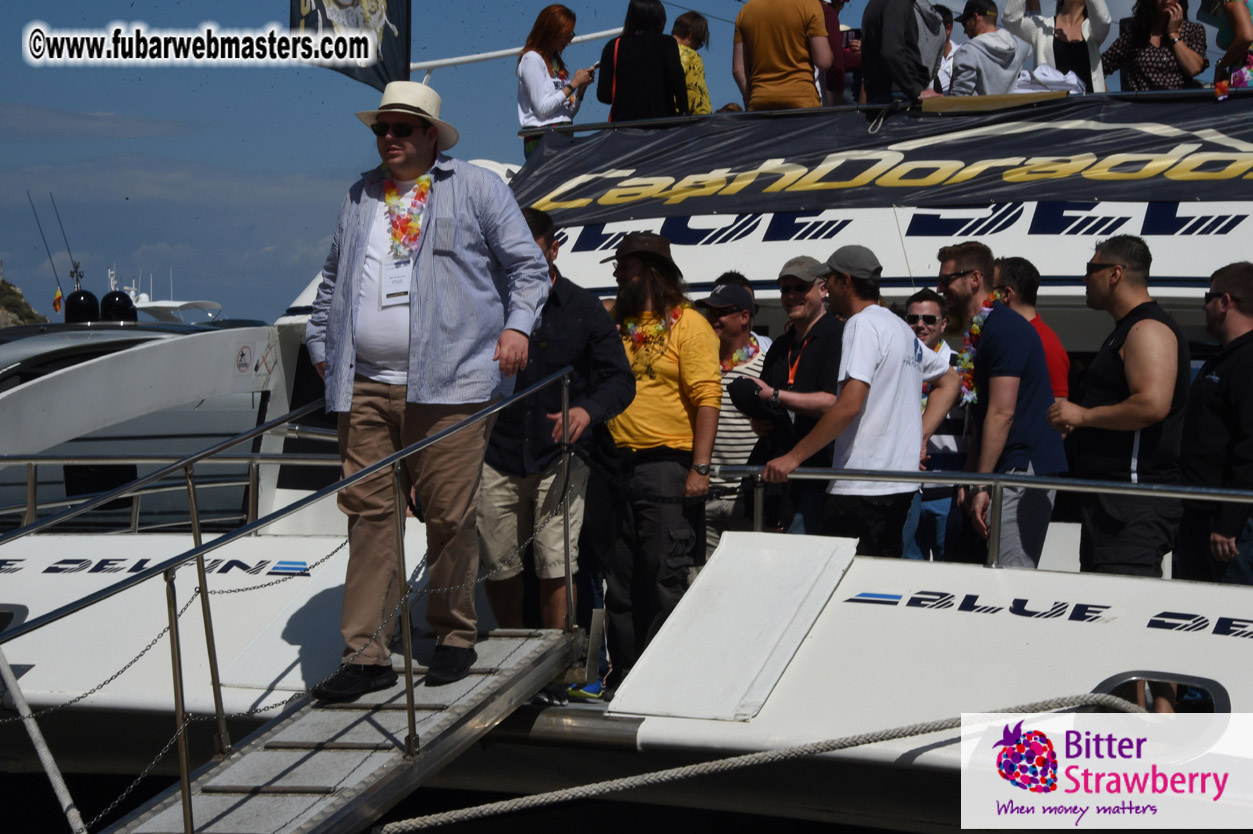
[(647, 245), (416, 100)]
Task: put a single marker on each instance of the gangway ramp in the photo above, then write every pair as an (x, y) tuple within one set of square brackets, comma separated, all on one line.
[(338, 767)]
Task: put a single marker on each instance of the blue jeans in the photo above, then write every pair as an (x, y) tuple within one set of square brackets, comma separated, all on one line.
[(924, 529), (808, 505)]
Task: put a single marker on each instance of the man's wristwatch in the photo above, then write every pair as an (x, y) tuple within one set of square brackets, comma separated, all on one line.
[(701, 469), (774, 398), (975, 489)]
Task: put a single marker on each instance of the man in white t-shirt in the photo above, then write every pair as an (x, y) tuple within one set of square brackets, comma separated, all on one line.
[(882, 369)]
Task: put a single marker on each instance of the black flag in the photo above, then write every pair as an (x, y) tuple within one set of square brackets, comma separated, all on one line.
[(387, 19)]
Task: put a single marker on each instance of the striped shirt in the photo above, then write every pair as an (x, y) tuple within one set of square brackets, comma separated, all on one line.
[(477, 272), (735, 439)]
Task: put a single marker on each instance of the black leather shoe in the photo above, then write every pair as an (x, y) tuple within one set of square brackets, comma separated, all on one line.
[(449, 664), (353, 680)]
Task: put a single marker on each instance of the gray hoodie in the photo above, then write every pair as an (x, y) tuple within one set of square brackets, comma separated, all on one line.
[(988, 65)]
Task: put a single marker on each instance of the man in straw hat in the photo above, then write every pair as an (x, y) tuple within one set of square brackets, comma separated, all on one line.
[(430, 290)]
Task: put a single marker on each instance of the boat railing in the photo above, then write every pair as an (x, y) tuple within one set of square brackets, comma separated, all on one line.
[(185, 464), (430, 66), (996, 487), (946, 105), (167, 568), (31, 508)]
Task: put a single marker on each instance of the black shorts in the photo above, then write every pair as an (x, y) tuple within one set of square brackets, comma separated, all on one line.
[(1127, 535)]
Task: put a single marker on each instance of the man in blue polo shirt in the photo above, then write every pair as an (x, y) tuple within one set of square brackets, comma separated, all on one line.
[(1008, 384)]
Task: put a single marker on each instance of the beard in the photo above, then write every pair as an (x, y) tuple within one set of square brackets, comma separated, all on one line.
[(633, 298)]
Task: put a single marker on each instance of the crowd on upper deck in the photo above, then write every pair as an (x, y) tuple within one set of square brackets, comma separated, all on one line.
[(796, 54)]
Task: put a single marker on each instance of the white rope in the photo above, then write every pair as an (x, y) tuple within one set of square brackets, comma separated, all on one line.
[(734, 763), (41, 747)]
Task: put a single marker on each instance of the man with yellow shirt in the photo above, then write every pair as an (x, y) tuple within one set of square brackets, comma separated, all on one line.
[(665, 438)]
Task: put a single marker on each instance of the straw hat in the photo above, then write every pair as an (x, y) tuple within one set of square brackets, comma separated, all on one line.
[(416, 100)]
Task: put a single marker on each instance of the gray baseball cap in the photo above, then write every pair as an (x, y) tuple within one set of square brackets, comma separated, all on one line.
[(854, 260), (799, 267)]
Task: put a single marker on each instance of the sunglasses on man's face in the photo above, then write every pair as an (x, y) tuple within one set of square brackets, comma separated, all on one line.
[(1094, 267), (928, 320), (946, 278), (400, 130), (1210, 296)]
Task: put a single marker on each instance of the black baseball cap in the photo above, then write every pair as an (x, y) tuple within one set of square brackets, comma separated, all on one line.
[(984, 8)]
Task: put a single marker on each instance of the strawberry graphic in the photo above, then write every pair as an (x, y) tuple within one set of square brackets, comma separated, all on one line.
[(1027, 760)]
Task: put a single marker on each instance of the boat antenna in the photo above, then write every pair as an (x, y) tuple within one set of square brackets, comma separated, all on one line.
[(75, 272), (45, 240)]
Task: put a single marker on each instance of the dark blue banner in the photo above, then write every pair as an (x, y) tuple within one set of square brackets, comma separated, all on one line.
[(1077, 149)]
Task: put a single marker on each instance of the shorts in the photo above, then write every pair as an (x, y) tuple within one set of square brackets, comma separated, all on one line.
[(510, 506)]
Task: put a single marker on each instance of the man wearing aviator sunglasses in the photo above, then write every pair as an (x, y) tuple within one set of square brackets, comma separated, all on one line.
[(1125, 418), (946, 448), (1008, 385), (428, 296)]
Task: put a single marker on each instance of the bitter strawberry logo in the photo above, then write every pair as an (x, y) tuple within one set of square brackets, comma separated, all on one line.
[(1027, 760)]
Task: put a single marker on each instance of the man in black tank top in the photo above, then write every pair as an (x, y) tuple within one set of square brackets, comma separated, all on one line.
[(1125, 420)]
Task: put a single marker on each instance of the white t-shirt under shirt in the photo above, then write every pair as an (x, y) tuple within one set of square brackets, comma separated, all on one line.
[(382, 333), (880, 350)]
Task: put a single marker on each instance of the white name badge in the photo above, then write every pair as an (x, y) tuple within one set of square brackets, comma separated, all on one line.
[(397, 276)]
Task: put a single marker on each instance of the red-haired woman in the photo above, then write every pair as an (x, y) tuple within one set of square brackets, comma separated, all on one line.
[(547, 94)]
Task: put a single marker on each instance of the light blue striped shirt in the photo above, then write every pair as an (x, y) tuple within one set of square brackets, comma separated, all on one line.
[(478, 272)]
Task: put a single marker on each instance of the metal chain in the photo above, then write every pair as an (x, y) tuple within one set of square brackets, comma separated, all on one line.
[(129, 788), (152, 643), (625, 488), (114, 676), (512, 559), (281, 579), (509, 562)]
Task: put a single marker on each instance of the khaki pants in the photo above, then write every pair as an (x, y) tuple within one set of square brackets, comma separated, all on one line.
[(446, 477)]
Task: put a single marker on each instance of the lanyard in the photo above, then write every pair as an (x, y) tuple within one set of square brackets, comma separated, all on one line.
[(793, 363)]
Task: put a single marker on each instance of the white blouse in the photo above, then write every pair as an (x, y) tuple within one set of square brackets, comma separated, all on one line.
[(540, 99), (1039, 30)]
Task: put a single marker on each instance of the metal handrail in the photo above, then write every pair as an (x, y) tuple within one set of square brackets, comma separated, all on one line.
[(175, 562), (14, 509), (672, 121), (152, 460), (943, 478), (998, 483), (432, 65), (197, 553), (126, 489)]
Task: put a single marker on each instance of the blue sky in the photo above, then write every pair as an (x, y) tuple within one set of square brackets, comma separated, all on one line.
[(231, 178)]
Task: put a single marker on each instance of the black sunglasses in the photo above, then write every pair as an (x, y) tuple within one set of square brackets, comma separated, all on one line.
[(1097, 266), (926, 318), (400, 130), (1210, 296), (946, 278)]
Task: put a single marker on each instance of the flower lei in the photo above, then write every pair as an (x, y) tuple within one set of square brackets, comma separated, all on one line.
[(405, 223), (638, 333), (741, 355), (970, 347), (643, 339)]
